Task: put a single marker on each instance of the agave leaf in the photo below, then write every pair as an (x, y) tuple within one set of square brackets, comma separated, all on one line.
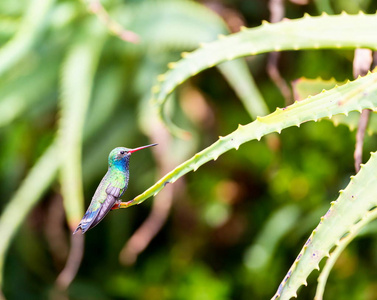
[(160, 27), (353, 96), (353, 209), (304, 87), (322, 32), (340, 246)]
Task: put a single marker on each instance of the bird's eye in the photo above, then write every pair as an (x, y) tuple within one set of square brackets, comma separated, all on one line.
[(122, 152)]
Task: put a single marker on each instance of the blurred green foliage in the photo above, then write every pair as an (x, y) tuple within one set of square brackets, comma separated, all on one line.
[(235, 224)]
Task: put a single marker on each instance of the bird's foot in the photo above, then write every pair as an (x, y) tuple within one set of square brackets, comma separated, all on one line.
[(116, 205), (120, 204)]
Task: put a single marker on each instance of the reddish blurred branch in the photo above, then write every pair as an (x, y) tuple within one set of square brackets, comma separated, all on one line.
[(361, 65), (277, 13), (73, 262), (115, 28), (140, 240), (161, 204), (55, 231), (231, 17)]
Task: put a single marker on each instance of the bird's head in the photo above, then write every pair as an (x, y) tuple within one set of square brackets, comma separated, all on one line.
[(120, 155)]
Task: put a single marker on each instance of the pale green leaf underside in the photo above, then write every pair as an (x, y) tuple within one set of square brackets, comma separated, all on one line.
[(304, 87), (341, 245), (347, 214), (322, 32), (353, 96)]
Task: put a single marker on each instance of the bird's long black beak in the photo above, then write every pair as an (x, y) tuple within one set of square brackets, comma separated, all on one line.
[(139, 148)]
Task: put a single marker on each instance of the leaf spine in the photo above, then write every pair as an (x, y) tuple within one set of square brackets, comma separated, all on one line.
[(155, 89), (185, 54), (221, 36), (172, 65), (306, 15), (264, 22), (243, 28), (161, 77)]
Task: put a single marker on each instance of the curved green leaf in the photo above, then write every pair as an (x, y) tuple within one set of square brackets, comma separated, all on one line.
[(353, 206), (304, 87), (353, 96), (323, 32), (340, 246), (168, 32)]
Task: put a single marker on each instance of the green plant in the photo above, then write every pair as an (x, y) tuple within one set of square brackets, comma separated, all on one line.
[(70, 92)]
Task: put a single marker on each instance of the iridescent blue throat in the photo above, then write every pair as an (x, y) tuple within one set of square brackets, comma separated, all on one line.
[(121, 164)]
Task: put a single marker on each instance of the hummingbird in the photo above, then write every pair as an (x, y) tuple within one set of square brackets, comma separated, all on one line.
[(111, 188)]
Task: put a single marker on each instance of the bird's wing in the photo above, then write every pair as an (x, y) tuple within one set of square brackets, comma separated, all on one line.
[(105, 200)]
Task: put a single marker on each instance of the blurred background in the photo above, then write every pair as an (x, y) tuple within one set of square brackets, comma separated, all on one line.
[(75, 82)]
